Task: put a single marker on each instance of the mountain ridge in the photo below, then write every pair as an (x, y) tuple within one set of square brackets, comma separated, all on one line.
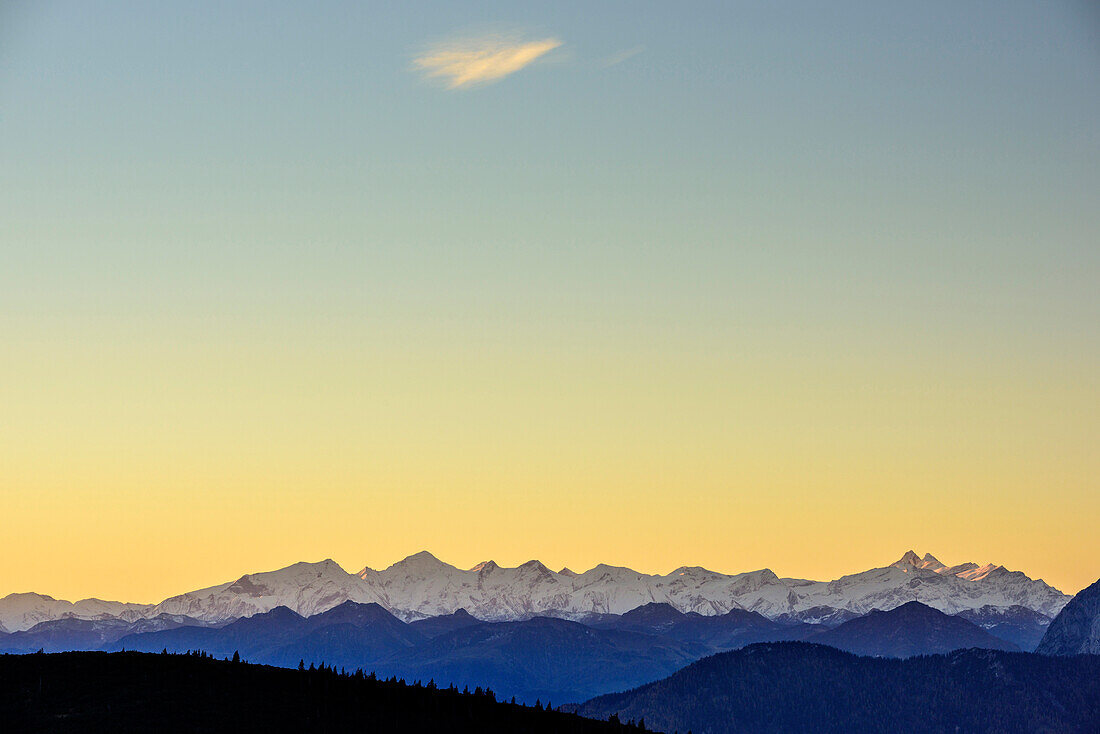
[(422, 586), (1076, 629)]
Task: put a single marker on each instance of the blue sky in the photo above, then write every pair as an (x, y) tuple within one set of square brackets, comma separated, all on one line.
[(718, 214)]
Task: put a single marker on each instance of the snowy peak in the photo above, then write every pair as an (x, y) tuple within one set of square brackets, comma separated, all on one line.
[(908, 560), (304, 588), (932, 563), (535, 568), (969, 571), (420, 564), (911, 560), (21, 611), (422, 557)]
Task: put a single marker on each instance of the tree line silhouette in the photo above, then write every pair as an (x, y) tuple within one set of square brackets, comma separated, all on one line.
[(194, 691)]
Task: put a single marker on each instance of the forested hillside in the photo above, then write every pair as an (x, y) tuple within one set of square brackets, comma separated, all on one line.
[(799, 687), (130, 692)]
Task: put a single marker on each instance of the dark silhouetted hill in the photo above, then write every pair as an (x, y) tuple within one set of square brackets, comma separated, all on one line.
[(71, 633), (911, 629), (435, 626), (1076, 629), (801, 687), (255, 637), (138, 692), (736, 628), (544, 658)]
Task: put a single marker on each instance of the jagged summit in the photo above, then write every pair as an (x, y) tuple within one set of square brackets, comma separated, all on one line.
[(423, 559), (909, 558), (927, 562), (534, 566), (970, 571)]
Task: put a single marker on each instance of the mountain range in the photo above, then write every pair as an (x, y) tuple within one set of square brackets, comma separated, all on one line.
[(911, 672), (574, 646), (537, 658), (422, 586)]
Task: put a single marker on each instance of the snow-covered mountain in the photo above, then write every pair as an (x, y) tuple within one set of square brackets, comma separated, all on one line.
[(307, 588), (22, 611), (423, 586), (968, 571)]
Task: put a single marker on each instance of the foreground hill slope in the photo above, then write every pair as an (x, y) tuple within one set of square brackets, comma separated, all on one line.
[(130, 692), (799, 687), (1076, 629)]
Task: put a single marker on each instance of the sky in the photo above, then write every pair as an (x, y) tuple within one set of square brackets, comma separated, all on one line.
[(735, 284)]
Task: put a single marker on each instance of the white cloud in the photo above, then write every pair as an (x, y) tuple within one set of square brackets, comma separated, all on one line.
[(471, 61), (623, 56)]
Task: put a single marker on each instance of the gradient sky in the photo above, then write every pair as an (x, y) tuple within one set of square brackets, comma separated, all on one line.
[(795, 285)]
